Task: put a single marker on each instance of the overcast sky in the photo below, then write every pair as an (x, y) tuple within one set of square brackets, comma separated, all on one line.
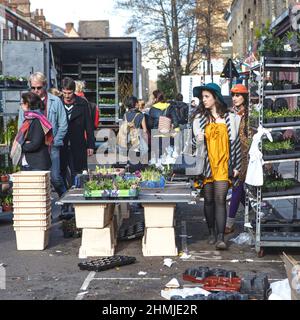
[(61, 11)]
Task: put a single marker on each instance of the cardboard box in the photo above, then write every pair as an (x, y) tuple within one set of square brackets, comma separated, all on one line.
[(289, 264)]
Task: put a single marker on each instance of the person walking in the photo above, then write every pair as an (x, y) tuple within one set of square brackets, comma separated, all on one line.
[(182, 110), (93, 108), (55, 113), (137, 118), (79, 142), (240, 97), (161, 108), (31, 147), (218, 129)]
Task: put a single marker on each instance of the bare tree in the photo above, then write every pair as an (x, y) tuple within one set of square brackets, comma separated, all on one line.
[(211, 28), (168, 31)]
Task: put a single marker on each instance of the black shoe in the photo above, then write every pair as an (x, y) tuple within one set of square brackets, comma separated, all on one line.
[(221, 245), (212, 237)]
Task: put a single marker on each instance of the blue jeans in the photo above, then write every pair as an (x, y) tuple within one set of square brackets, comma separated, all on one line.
[(56, 178)]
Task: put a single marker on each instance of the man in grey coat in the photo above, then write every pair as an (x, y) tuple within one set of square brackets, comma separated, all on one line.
[(55, 112)]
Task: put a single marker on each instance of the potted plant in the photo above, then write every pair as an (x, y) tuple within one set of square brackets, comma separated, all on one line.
[(287, 85), (97, 188), (7, 203), (2, 81), (70, 230), (269, 44), (287, 146), (4, 177), (125, 188), (152, 178), (269, 116)]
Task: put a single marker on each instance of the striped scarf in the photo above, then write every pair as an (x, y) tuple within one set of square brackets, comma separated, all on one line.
[(16, 150), (234, 146)]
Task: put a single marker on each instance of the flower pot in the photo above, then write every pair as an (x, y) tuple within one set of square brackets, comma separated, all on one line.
[(289, 119), (271, 152), (268, 57), (4, 178), (279, 119), (281, 188), (277, 87), (287, 86), (270, 120), (7, 207), (287, 54), (97, 193)]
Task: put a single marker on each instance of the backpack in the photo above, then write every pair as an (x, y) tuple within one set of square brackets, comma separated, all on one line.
[(164, 123), (125, 128)]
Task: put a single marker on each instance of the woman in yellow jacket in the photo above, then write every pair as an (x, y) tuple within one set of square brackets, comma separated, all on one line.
[(218, 128)]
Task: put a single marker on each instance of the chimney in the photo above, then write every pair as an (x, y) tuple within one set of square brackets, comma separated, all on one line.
[(42, 12), (69, 27)]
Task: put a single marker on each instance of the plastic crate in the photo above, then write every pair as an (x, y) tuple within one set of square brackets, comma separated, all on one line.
[(31, 217), (32, 210), (32, 204), (31, 176), (159, 242), (31, 185), (93, 215), (97, 242), (28, 197), (30, 238), (30, 191), (159, 215), (19, 222)]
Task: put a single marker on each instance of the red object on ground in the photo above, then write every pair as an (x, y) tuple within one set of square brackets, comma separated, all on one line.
[(214, 283)]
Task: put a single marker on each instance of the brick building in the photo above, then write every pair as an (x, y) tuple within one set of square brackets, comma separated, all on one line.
[(18, 23), (245, 16)]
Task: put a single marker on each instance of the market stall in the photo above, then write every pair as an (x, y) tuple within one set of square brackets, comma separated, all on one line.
[(99, 223)]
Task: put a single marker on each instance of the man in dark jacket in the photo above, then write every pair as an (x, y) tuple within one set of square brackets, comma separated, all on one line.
[(182, 110), (79, 140)]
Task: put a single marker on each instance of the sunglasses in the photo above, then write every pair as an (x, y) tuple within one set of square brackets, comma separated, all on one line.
[(36, 88)]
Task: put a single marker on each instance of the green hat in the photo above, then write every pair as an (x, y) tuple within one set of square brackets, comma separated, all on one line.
[(197, 91)]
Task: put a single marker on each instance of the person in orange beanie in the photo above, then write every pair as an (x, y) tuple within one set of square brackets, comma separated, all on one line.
[(240, 97)]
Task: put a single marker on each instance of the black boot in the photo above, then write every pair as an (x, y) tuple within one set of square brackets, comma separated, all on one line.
[(221, 245), (212, 236)]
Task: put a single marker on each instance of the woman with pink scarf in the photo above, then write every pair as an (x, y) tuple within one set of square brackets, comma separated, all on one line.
[(31, 148)]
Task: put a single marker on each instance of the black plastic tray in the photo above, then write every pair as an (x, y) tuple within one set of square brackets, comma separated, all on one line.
[(106, 263), (290, 192), (135, 231), (283, 156)]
